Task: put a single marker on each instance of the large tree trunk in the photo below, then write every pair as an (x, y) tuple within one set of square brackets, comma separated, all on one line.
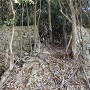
[(74, 30), (49, 19)]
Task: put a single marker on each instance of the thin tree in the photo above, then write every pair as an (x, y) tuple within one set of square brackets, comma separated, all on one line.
[(11, 52), (22, 12), (35, 26), (29, 32), (49, 20)]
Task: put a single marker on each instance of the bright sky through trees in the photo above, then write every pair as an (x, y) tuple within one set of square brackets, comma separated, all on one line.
[(16, 1)]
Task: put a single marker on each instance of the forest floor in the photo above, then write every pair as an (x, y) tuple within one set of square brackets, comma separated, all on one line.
[(50, 71)]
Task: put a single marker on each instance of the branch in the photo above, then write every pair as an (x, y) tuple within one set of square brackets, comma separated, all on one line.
[(68, 79), (69, 43), (66, 16), (86, 77), (64, 13)]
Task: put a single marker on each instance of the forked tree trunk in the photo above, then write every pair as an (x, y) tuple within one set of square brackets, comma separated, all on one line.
[(11, 52), (74, 30), (49, 19)]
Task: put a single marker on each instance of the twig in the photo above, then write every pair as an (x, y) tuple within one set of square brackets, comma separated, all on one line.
[(66, 81), (86, 77), (62, 82)]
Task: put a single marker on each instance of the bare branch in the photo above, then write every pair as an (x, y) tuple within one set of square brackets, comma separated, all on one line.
[(64, 13)]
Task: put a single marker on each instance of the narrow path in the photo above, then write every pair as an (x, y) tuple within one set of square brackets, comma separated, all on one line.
[(49, 72)]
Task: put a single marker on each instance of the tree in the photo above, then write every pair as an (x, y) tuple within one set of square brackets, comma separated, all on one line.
[(11, 52), (35, 26), (49, 20), (74, 29), (0, 10)]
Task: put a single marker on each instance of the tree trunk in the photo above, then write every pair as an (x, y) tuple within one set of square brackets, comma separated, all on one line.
[(74, 30), (29, 32), (35, 27), (11, 52), (49, 19), (1, 13), (21, 32), (64, 32)]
